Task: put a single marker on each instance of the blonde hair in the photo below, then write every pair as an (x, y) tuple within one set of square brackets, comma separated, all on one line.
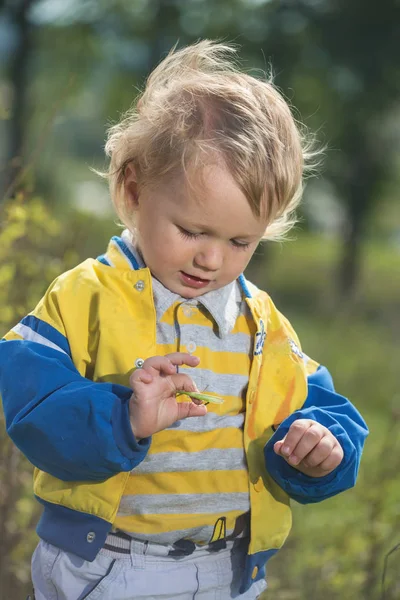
[(198, 105)]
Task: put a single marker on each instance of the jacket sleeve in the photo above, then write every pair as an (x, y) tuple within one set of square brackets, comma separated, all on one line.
[(343, 420), (65, 424)]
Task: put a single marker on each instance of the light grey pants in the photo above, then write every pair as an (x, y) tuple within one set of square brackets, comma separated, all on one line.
[(146, 573)]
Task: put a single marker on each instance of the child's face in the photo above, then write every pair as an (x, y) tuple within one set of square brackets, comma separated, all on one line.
[(198, 238)]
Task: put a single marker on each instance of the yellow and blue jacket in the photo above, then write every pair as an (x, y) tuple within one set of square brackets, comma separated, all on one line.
[(64, 371)]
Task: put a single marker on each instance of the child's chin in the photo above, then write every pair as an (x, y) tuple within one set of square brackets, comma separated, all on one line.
[(188, 292)]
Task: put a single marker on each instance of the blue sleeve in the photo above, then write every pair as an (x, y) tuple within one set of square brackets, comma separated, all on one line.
[(343, 420), (65, 424)]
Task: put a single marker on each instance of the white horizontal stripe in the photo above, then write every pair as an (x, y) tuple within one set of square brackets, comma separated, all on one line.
[(205, 337), (209, 422), (220, 384), (171, 504), (31, 336), (214, 459)]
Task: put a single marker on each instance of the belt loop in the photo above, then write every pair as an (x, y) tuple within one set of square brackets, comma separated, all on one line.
[(138, 550)]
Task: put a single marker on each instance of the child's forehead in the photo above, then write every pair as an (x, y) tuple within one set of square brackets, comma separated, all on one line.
[(209, 196), (200, 182)]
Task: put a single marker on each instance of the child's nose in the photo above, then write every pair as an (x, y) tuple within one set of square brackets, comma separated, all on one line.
[(210, 258)]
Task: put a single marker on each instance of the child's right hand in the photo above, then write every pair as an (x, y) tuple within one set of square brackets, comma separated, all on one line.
[(153, 404)]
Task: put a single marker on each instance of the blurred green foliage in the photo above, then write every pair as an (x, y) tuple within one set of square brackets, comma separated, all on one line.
[(24, 237)]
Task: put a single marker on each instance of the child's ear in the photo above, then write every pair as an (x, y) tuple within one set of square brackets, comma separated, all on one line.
[(131, 185)]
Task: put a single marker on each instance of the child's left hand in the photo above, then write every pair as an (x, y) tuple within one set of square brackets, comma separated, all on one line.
[(310, 448)]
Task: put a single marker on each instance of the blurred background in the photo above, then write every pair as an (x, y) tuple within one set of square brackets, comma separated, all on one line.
[(70, 68)]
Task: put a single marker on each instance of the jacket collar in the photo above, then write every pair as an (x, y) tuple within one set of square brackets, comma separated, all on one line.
[(224, 304)]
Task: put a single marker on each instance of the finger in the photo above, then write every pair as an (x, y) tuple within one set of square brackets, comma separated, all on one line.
[(198, 401), (320, 453), (162, 364), (182, 382), (140, 375), (308, 442), (294, 435), (190, 409), (333, 460), (183, 358)]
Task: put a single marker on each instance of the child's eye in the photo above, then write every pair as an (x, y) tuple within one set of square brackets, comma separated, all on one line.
[(240, 245), (188, 234)]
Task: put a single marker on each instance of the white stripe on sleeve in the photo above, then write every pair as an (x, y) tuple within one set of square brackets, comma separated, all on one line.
[(31, 336)]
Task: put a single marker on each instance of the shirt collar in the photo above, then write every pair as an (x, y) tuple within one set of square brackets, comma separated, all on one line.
[(224, 304)]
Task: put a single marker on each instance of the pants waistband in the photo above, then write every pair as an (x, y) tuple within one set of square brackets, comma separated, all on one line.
[(120, 545)]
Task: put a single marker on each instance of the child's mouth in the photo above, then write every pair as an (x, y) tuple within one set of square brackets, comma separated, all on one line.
[(193, 281)]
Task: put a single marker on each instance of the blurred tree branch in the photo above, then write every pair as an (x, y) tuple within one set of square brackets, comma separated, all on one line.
[(19, 77)]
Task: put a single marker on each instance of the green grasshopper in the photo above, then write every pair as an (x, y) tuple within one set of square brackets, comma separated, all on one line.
[(206, 398)]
